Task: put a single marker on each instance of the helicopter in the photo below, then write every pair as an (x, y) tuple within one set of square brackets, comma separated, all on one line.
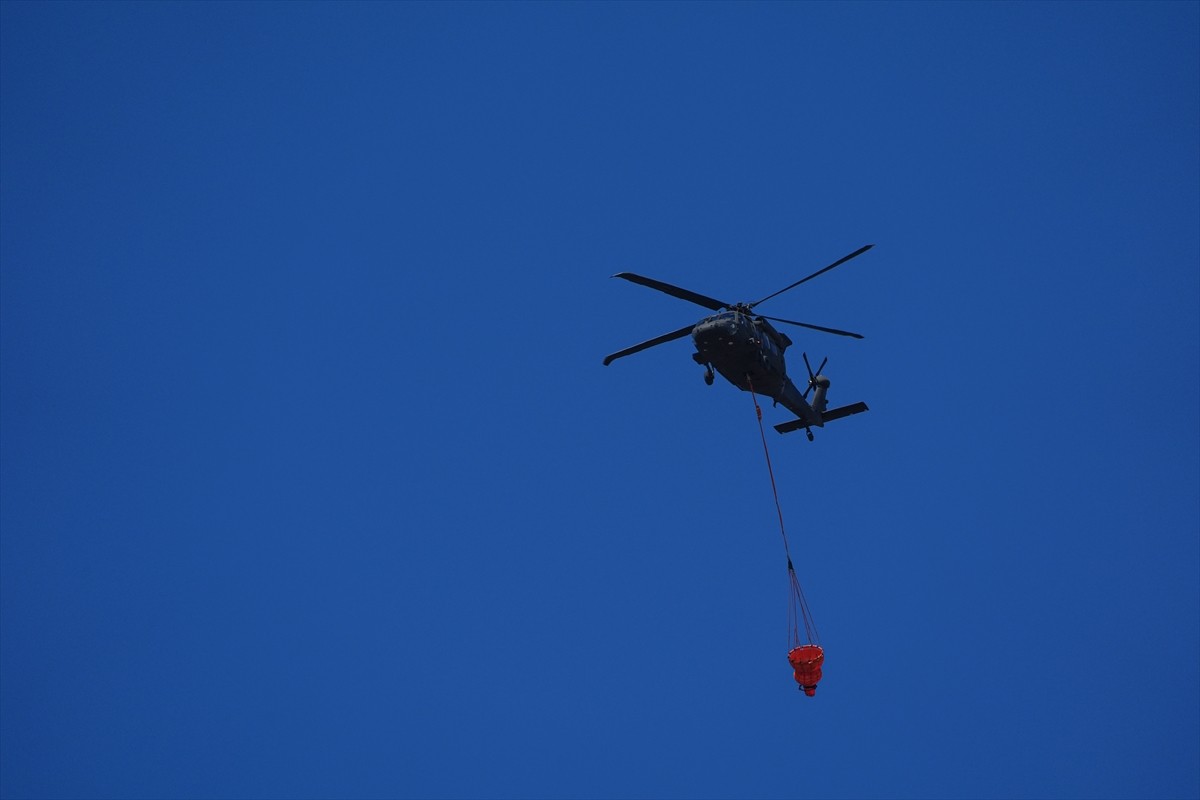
[(747, 350)]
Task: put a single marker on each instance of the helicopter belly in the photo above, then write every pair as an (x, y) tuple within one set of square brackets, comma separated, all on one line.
[(750, 375)]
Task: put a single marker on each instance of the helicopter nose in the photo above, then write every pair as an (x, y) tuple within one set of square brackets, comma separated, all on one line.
[(713, 330)]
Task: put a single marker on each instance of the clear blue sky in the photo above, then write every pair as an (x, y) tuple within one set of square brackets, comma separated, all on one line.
[(313, 483)]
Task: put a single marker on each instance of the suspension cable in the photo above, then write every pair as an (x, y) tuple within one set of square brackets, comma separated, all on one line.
[(798, 611)]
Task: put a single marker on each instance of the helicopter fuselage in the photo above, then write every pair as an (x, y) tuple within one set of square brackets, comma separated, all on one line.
[(749, 353)]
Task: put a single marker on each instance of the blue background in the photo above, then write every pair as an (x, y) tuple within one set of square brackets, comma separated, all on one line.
[(314, 484)]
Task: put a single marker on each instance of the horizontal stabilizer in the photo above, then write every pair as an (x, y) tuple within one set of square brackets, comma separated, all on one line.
[(828, 416), (788, 427), (844, 411)]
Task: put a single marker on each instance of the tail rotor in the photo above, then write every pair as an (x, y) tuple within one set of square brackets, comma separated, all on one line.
[(819, 382), (812, 377)]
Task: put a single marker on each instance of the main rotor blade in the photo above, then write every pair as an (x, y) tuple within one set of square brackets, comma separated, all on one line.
[(637, 348), (683, 294), (815, 327), (839, 262)]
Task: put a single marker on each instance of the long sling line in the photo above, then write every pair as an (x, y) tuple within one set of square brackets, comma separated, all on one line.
[(797, 604)]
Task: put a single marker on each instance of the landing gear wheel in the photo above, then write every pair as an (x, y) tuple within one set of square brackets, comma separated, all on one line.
[(810, 435), (708, 376)]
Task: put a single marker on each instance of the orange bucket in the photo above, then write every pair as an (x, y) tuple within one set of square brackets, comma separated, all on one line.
[(806, 661)]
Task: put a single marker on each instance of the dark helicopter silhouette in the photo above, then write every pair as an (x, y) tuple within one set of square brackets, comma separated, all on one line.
[(748, 351)]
